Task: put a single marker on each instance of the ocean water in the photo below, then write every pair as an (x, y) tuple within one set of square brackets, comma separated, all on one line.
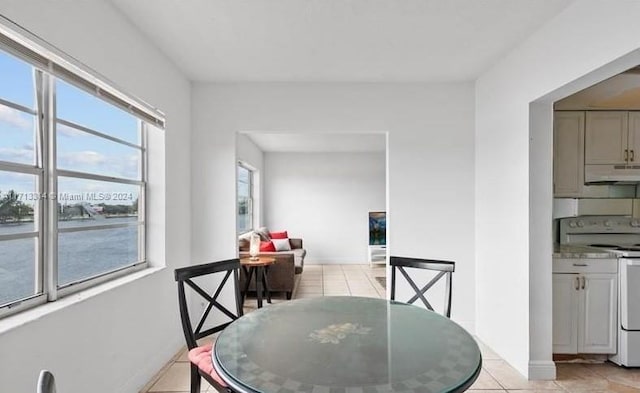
[(80, 254)]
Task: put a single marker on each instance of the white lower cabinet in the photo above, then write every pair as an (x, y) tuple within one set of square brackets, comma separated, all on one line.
[(584, 312), (597, 331), (565, 313)]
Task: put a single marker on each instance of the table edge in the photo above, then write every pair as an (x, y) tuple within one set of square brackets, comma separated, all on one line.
[(242, 388)]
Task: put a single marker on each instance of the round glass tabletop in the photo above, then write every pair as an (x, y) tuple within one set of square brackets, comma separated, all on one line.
[(346, 344)]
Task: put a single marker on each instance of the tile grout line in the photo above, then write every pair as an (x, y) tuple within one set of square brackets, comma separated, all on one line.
[(372, 282), (494, 378), (344, 276)]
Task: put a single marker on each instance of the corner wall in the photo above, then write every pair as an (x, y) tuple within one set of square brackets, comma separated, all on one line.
[(513, 188), (430, 160), (114, 341)]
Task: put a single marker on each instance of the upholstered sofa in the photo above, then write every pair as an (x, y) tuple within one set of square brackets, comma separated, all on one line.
[(281, 274)]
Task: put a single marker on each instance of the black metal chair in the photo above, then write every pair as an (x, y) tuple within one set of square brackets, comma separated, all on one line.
[(46, 382), (200, 356), (442, 267)]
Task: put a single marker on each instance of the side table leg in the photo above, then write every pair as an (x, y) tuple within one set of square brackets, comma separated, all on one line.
[(258, 275), (248, 272), (265, 283)]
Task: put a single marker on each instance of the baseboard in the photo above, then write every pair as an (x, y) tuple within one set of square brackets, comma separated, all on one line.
[(469, 326), (150, 370), (542, 370)]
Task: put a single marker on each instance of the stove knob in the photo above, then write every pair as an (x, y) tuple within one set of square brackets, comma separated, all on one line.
[(607, 223), (580, 224), (635, 223), (572, 224)]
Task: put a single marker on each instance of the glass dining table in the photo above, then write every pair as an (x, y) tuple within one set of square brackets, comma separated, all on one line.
[(343, 345)]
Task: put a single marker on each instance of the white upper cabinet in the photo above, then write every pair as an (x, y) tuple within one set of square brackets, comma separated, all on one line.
[(634, 137), (607, 138), (568, 153)]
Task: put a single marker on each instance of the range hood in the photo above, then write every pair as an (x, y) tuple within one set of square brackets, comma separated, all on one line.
[(612, 174)]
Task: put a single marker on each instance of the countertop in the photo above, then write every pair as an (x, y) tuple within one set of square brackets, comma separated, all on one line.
[(576, 251)]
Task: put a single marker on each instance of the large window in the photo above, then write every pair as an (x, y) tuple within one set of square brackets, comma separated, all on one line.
[(245, 198), (72, 183)]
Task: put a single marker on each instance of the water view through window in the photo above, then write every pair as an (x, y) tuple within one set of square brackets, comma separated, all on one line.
[(99, 175), (92, 252), (81, 254)]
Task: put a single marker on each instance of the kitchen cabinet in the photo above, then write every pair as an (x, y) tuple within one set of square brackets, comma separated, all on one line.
[(612, 138), (565, 313), (599, 310), (585, 307), (634, 137), (568, 154)]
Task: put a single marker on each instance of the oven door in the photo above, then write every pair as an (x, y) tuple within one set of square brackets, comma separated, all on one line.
[(630, 293)]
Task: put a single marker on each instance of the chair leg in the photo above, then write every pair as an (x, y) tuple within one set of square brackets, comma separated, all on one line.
[(289, 293), (195, 379)]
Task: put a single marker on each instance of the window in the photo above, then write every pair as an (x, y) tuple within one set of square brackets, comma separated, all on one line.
[(72, 180), (245, 198)]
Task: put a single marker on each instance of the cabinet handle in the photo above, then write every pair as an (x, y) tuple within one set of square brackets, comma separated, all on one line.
[(632, 155), (580, 264), (577, 283), (584, 282), (626, 154)]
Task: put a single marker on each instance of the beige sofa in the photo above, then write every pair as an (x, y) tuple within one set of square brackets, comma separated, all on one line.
[(282, 273)]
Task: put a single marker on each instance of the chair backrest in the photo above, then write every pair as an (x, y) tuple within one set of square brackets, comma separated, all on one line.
[(46, 382), (184, 276), (444, 268)]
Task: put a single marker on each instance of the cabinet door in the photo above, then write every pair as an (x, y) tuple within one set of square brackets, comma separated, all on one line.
[(634, 138), (606, 138), (565, 313), (568, 154), (597, 331)]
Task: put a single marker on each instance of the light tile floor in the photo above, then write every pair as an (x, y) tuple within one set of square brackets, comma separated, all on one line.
[(496, 375)]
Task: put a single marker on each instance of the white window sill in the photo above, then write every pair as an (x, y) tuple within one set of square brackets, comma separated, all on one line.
[(22, 318)]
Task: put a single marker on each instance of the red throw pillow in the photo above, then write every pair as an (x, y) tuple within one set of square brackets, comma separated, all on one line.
[(267, 246), (279, 235)]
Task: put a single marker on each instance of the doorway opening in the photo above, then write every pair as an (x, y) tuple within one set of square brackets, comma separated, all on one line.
[(549, 202), (321, 189)]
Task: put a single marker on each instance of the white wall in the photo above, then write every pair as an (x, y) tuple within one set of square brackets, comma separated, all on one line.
[(249, 153), (117, 340), (514, 175), (430, 158), (325, 199)]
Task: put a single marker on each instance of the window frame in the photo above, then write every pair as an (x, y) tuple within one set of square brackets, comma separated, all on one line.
[(250, 200), (21, 46)]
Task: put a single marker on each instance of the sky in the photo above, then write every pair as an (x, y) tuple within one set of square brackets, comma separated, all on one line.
[(77, 150)]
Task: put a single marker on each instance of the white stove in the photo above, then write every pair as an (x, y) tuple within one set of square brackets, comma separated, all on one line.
[(617, 234), (620, 236)]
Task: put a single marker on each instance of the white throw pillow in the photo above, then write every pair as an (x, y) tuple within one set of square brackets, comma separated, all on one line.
[(263, 232), (281, 244)]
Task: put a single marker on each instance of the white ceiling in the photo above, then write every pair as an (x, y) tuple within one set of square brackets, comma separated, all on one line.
[(337, 40), (320, 143)]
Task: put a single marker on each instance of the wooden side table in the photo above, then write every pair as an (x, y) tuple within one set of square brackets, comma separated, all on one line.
[(257, 269)]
